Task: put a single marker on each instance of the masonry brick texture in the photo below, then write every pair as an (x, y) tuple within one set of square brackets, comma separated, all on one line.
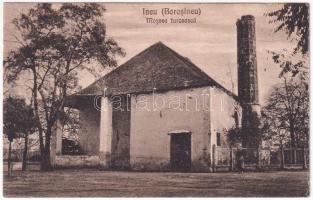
[(247, 61)]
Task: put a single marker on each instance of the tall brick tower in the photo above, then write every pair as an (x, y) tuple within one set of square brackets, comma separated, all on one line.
[(248, 91)]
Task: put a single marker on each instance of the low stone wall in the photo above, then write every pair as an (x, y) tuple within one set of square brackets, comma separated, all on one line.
[(77, 161)]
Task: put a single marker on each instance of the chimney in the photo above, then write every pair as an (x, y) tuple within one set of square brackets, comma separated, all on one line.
[(248, 92)]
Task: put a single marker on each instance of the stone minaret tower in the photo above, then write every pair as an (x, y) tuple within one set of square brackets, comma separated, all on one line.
[(248, 91)]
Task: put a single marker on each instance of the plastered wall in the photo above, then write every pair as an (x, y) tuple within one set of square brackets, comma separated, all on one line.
[(89, 119), (223, 111), (154, 115)]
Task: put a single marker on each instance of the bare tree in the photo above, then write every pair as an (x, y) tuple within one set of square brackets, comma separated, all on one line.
[(56, 44), (286, 113)]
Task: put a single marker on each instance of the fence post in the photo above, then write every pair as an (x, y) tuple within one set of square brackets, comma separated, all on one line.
[(259, 158), (231, 162), (9, 159), (214, 157), (304, 158), (295, 155), (282, 157)]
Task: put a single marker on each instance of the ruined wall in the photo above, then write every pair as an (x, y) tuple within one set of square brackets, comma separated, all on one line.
[(152, 120), (89, 119)]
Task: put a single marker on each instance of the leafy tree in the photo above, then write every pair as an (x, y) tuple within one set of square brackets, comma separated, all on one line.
[(289, 64), (18, 118), (234, 136), (293, 19), (274, 130), (250, 135), (286, 115), (58, 43)]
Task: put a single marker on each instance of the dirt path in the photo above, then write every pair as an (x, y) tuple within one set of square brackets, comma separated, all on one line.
[(93, 183)]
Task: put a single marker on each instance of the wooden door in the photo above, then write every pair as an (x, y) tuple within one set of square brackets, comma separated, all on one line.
[(180, 152)]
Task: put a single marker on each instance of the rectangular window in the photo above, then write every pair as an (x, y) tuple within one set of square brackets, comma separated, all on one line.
[(218, 139)]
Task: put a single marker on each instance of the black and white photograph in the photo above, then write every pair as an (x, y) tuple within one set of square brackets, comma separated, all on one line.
[(151, 99)]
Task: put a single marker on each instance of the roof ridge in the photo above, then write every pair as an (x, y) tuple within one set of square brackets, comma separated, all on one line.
[(158, 46), (195, 67), (186, 60)]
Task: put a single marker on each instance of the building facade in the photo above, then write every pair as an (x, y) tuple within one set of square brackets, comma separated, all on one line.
[(159, 111)]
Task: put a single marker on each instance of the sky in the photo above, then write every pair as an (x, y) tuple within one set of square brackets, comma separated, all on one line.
[(210, 43)]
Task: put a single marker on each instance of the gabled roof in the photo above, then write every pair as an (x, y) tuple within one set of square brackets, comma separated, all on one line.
[(156, 67)]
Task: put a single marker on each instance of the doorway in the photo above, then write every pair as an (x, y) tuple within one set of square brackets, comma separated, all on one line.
[(180, 152)]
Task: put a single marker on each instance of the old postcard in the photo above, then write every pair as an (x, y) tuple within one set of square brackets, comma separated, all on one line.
[(155, 100)]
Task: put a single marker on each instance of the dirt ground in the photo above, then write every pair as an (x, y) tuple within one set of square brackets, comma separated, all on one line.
[(95, 183)]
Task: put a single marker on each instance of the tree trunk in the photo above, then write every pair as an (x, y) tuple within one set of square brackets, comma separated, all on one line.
[(214, 158), (45, 155), (258, 164), (43, 165), (25, 153), (304, 158), (282, 157), (9, 159), (231, 158), (293, 143), (46, 161)]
